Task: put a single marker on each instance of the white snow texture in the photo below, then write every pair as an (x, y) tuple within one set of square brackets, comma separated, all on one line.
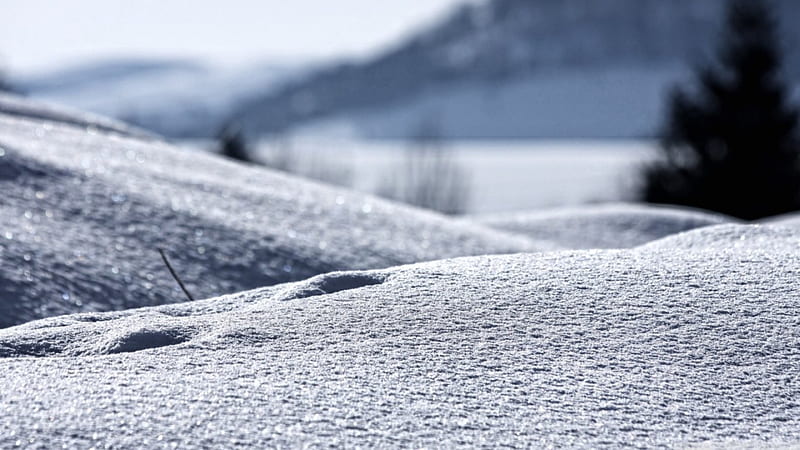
[(684, 339), (86, 206)]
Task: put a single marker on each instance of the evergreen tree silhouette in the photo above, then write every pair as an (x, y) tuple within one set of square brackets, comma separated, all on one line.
[(733, 147), (232, 144)]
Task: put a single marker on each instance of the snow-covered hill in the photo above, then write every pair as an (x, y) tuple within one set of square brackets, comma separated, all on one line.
[(604, 225), (88, 202), (690, 339), (687, 341)]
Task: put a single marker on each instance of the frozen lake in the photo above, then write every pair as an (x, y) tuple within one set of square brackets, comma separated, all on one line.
[(500, 175)]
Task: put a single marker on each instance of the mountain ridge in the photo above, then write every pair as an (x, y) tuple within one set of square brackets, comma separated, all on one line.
[(496, 43)]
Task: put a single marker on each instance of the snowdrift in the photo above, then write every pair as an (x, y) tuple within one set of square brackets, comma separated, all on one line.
[(688, 340), (787, 220), (88, 202), (671, 338), (603, 226), (47, 112)]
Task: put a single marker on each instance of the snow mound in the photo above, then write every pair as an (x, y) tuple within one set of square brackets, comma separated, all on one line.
[(688, 341), (12, 105), (87, 205), (603, 226), (787, 220), (726, 238), (331, 283)]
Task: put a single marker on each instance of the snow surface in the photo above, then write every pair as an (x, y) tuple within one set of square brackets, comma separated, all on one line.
[(603, 226), (46, 112), (788, 220), (86, 206), (689, 340)]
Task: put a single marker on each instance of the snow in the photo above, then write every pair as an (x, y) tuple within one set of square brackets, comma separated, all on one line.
[(603, 226), (789, 220), (690, 340), (47, 112), (86, 207)]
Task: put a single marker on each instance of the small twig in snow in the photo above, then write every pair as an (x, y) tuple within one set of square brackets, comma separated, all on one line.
[(175, 275)]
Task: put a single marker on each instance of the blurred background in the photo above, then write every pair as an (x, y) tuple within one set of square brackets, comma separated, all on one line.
[(466, 107)]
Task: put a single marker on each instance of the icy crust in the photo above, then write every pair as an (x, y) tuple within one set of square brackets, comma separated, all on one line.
[(681, 343), (84, 212), (603, 226)]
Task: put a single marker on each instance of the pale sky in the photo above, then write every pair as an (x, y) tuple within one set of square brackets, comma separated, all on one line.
[(40, 34)]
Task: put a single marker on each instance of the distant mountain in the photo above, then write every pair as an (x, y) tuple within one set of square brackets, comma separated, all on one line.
[(172, 97), (514, 68), (490, 69)]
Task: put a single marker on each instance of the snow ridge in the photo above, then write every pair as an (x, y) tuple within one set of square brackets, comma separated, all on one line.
[(604, 226)]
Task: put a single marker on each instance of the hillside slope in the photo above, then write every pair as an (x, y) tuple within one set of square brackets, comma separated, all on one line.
[(88, 202)]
